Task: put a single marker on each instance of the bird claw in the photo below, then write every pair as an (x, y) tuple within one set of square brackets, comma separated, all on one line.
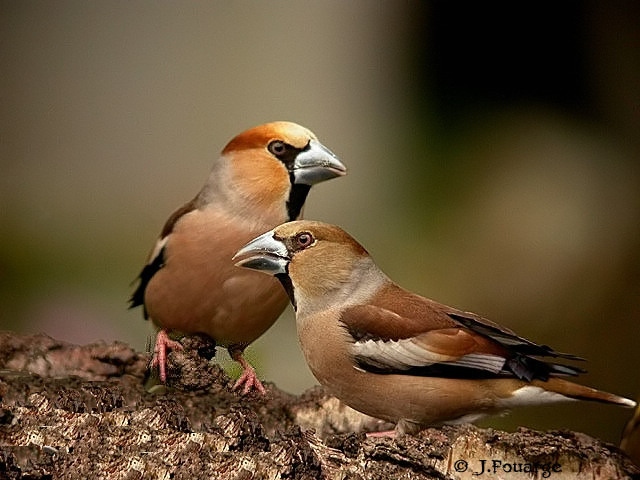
[(250, 380), (163, 343)]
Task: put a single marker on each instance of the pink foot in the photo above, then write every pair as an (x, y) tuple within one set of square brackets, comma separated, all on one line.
[(386, 433), (163, 342), (248, 378)]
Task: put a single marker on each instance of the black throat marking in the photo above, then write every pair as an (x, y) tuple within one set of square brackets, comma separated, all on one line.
[(297, 197), (298, 193), (288, 287)]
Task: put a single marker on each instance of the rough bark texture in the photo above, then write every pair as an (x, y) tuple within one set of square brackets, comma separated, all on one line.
[(71, 411)]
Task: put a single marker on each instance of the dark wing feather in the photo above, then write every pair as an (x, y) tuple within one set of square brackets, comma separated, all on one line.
[(406, 334), (149, 270), (521, 363), (507, 338)]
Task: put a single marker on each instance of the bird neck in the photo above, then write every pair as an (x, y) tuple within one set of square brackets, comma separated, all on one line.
[(364, 280), (260, 211)]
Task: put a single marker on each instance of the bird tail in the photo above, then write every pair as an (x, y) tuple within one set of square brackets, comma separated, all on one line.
[(580, 392)]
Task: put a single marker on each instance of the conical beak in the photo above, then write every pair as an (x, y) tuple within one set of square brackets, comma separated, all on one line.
[(316, 164), (265, 254)]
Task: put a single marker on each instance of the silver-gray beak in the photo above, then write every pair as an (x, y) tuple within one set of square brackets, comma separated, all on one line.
[(316, 164), (264, 253)]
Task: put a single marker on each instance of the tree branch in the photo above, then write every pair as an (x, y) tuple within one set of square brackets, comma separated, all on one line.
[(72, 411)]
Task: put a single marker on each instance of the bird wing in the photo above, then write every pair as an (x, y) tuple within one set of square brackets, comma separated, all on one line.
[(404, 333), (157, 258), (505, 336)]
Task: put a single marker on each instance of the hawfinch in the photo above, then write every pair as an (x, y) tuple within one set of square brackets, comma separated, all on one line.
[(189, 284), (395, 355)]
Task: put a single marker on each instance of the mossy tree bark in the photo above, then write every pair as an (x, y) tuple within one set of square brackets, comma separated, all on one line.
[(82, 412)]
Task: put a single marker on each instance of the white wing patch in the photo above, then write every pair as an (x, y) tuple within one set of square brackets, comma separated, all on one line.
[(405, 354), (481, 361), (401, 354), (157, 248)]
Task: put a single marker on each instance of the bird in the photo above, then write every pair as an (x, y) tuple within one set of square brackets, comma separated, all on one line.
[(398, 356), (189, 284)]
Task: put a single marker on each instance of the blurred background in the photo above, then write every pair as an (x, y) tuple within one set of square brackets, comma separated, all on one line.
[(492, 149)]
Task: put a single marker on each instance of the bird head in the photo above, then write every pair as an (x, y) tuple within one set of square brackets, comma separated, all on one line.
[(279, 162), (313, 260)]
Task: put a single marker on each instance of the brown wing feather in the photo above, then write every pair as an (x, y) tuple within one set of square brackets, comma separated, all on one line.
[(175, 216), (457, 342), (396, 314)]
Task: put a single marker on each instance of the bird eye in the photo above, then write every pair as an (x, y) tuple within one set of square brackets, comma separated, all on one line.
[(304, 239), (277, 147)]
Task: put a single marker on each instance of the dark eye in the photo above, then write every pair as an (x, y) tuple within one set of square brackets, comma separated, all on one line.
[(277, 147), (304, 239)]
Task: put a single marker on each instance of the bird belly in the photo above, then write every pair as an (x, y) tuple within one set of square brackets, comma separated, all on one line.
[(253, 301), (417, 399), (200, 290)]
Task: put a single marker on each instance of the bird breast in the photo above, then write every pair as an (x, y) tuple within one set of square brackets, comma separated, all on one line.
[(199, 289)]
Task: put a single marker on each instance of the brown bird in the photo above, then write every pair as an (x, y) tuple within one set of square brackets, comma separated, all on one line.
[(189, 284), (395, 355)]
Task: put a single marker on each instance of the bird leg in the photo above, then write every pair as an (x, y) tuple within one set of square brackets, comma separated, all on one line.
[(248, 378), (163, 342)]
